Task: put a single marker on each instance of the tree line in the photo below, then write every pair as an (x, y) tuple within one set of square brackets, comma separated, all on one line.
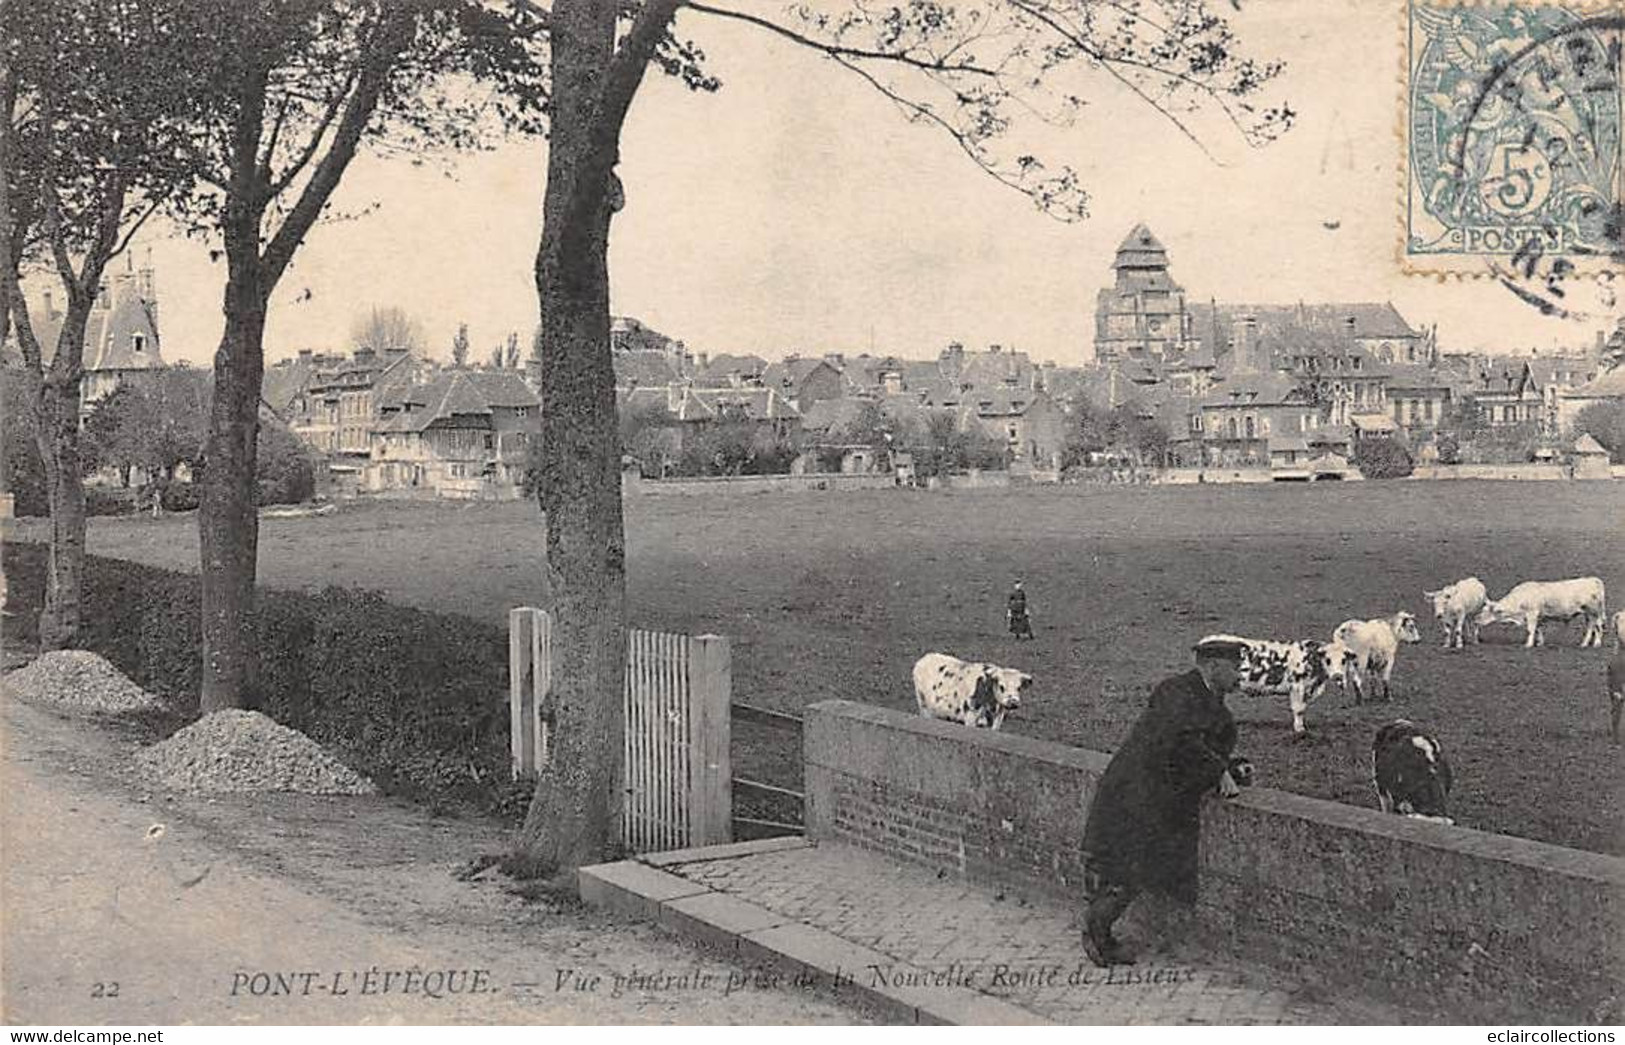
[(237, 122)]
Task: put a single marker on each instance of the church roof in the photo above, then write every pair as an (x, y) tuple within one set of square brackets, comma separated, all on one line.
[(1141, 249)]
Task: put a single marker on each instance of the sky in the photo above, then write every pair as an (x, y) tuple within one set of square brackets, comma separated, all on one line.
[(797, 211)]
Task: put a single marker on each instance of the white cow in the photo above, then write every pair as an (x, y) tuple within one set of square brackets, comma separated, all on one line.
[(1374, 646), (1456, 605), (970, 693), (1619, 630), (1532, 602)]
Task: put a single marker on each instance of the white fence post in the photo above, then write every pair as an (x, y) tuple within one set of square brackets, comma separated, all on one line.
[(677, 774), (530, 671), (522, 688), (710, 692)]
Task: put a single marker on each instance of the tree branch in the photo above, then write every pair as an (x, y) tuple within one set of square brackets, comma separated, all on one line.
[(152, 208), (1106, 63), (839, 50), (334, 105), (919, 111), (376, 64)]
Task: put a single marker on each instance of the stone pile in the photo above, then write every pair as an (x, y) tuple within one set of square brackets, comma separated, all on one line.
[(78, 680), (244, 751)]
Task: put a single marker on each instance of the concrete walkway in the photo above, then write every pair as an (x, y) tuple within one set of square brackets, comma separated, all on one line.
[(933, 949)]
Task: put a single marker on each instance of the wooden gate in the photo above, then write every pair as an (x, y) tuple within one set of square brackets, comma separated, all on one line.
[(676, 772)]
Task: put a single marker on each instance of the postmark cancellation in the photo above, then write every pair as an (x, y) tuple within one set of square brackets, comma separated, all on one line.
[(1512, 143)]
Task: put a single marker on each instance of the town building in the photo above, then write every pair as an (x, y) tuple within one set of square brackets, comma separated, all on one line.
[(1143, 315), (804, 380), (122, 342), (464, 435)]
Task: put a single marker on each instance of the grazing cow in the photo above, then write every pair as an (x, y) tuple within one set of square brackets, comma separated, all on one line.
[(1457, 605), (1616, 692), (1373, 646), (973, 694), (1532, 602), (1411, 773), (1298, 669)]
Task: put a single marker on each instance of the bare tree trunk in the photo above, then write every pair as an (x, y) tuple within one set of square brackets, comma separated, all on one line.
[(574, 816), (228, 522), (56, 415)]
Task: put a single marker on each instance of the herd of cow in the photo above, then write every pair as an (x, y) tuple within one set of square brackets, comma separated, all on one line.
[(1409, 769)]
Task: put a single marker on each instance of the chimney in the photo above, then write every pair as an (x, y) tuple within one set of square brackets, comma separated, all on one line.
[(145, 285), (995, 349), (837, 358), (305, 355), (1242, 352), (705, 359), (365, 357)]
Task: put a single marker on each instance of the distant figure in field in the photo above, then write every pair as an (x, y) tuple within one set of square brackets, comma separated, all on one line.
[(1015, 614)]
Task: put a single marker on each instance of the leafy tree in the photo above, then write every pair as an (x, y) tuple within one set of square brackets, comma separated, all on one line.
[(303, 86), (1606, 424), (22, 472), (155, 424), (511, 351), (965, 72), (1449, 446), (285, 472), (99, 102), (1378, 458)]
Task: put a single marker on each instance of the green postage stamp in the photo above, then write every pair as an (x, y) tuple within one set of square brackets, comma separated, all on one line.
[(1512, 128)]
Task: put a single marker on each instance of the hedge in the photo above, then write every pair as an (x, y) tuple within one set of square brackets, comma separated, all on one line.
[(415, 700)]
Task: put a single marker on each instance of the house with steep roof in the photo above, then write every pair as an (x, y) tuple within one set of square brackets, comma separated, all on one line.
[(729, 371), (464, 434), (804, 381), (1237, 418), (121, 334), (1419, 396), (1512, 397), (1027, 422), (1608, 387)]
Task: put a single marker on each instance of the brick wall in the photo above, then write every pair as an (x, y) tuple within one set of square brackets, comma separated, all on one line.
[(1482, 927)]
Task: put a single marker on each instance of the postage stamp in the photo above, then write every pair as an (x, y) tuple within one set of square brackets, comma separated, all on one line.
[(1512, 139)]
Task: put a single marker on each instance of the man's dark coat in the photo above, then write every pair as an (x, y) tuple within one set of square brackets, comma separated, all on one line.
[(1144, 821)]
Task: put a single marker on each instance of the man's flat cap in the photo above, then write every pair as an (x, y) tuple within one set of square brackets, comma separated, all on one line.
[(1220, 646)]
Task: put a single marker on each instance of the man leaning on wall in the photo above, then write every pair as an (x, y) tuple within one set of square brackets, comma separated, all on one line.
[(1145, 820)]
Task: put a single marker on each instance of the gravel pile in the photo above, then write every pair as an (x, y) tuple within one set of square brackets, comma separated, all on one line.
[(78, 680), (244, 751)]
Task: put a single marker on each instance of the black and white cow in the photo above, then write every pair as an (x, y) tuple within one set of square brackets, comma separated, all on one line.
[(1410, 771), (968, 692), (1299, 670)]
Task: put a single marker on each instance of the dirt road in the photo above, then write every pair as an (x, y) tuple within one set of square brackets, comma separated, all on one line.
[(122, 906)]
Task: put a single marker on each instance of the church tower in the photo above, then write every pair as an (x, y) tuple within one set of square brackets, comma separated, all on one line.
[(1142, 316)]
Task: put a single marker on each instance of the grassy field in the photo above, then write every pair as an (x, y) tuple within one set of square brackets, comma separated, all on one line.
[(835, 595)]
